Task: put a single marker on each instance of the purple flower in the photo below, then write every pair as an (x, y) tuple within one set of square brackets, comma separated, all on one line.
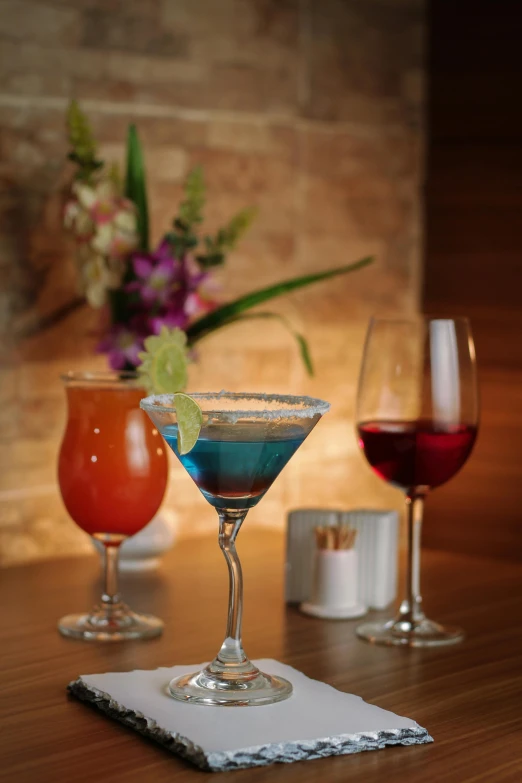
[(122, 345), (170, 292), (174, 316), (158, 273)]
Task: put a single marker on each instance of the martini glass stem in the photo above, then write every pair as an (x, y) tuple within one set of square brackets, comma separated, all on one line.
[(231, 652), (411, 608)]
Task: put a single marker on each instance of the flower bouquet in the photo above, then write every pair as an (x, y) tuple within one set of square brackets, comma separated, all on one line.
[(165, 295)]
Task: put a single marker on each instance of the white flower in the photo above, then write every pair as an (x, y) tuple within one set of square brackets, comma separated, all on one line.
[(102, 197), (85, 194), (70, 214), (126, 221), (105, 227), (113, 242), (77, 220), (99, 276), (94, 275), (103, 238), (100, 210)]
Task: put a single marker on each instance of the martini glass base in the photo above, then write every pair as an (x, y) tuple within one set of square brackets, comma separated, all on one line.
[(117, 625), (404, 633), (207, 688)]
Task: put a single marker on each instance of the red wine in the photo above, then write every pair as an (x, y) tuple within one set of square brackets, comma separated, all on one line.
[(414, 454)]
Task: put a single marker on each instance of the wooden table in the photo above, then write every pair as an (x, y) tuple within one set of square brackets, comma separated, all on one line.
[(469, 697)]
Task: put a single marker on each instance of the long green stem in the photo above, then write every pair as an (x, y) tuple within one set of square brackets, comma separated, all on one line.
[(223, 314)]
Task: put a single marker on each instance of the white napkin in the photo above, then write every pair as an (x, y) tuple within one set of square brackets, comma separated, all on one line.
[(315, 721)]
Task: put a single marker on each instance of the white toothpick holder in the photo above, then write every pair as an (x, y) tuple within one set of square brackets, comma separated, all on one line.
[(335, 588), (376, 545)]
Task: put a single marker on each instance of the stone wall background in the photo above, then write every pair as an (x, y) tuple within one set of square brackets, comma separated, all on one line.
[(310, 109)]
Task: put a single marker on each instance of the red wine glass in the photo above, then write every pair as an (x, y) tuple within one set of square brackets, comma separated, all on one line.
[(417, 419)]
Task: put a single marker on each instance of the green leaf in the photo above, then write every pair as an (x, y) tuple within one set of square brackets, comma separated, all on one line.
[(191, 209), (118, 301), (226, 238), (208, 323), (82, 141), (301, 341), (115, 176), (135, 185), (305, 353), (212, 259)]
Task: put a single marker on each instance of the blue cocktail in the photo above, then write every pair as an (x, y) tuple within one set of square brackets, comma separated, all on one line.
[(244, 443), (234, 466)]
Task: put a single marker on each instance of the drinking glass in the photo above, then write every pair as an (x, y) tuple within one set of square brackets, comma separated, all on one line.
[(244, 443), (417, 420), (112, 472)]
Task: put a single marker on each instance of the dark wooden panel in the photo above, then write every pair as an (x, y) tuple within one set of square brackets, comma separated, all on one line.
[(475, 66), (480, 510), (474, 255)]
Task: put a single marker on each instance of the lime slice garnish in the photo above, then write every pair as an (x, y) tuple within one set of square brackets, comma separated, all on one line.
[(164, 362), (190, 419), (163, 370), (168, 368)]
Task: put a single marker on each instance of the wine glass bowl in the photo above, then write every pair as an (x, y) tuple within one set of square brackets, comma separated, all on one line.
[(416, 456), (417, 421), (244, 443), (112, 473)]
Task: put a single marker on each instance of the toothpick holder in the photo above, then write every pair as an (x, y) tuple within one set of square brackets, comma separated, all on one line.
[(376, 545), (334, 593)]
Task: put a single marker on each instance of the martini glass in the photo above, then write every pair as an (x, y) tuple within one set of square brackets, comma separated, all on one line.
[(244, 443)]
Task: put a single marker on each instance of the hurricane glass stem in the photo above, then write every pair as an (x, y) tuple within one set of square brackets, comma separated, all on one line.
[(111, 597)]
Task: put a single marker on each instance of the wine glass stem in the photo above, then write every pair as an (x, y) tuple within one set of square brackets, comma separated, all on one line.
[(111, 597), (232, 650), (411, 607)]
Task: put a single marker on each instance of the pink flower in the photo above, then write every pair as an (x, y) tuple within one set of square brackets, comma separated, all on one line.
[(195, 305), (201, 301)]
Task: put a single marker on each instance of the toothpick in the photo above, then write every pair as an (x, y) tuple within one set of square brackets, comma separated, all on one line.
[(335, 537)]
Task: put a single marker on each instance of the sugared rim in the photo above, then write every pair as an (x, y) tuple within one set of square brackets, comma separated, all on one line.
[(295, 406), (99, 376)]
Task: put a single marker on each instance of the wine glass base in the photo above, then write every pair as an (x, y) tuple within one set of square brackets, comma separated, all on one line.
[(115, 626), (399, 632), (210, 690)]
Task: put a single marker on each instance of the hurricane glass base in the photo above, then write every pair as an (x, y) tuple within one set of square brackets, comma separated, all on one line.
[(243, 686), (405, 633), (116, 624)]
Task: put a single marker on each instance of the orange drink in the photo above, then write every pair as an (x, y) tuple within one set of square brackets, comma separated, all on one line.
[(112, 471), (112, 467)]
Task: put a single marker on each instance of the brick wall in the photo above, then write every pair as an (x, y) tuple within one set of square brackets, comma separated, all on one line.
[(309, 109)]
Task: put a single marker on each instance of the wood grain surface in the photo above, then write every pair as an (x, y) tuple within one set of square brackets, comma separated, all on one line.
[(469, 697)]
